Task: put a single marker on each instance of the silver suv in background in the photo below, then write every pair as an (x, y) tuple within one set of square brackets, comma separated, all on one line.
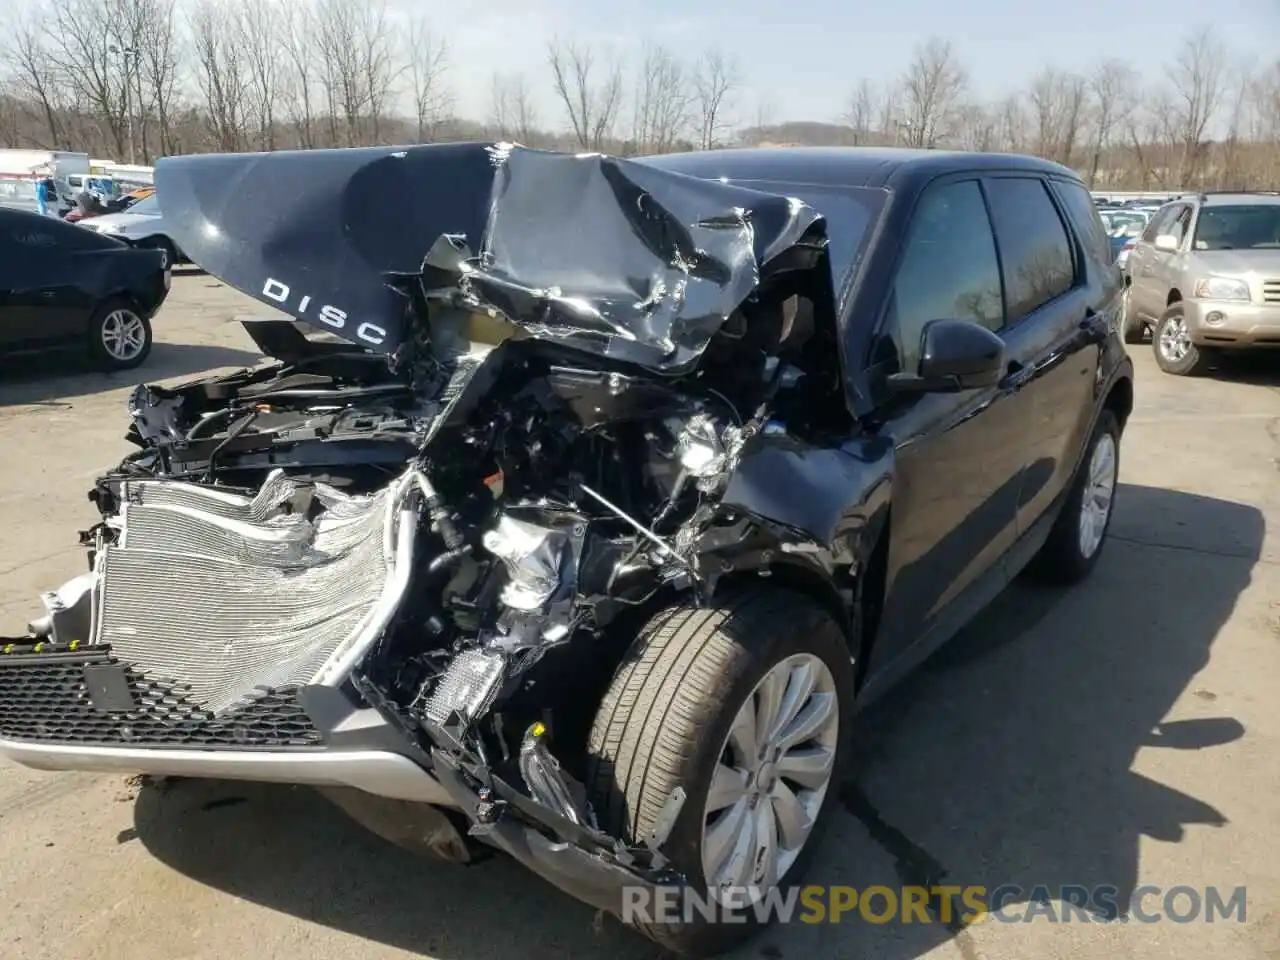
[(1205, 276)]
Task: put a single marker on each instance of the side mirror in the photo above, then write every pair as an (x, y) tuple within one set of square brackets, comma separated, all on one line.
[(955, 355), (1167, 242)]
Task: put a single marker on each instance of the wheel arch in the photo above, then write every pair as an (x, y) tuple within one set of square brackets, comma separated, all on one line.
[(798, 576), (1119, 400)]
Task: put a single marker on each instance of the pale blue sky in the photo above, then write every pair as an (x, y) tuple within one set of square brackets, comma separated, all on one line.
[(805, 57)]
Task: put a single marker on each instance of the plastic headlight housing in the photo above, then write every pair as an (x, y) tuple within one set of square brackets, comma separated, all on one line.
[(1221, 288)]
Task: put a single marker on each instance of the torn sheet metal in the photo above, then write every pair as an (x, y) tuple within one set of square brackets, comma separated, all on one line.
[(611, 256), (534, 556)]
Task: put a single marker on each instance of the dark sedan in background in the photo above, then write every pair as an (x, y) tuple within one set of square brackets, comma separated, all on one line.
[(62, 286)]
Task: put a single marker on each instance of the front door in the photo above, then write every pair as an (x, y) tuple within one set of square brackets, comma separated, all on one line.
[(958, 457)]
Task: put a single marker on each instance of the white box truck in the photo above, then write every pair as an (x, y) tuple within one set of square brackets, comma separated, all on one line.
[(61, 165)]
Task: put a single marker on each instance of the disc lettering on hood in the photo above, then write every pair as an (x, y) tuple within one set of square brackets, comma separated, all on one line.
[(616, 257)]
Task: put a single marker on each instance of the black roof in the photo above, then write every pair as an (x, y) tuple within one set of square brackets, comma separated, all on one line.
[(849, 166)]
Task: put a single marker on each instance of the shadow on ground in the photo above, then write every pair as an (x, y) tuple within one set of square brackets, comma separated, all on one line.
[(1005, 760), (1261, 368), (52, 378)]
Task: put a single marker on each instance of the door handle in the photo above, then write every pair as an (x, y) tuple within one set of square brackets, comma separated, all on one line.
[(1091, 331), (1017, 375)]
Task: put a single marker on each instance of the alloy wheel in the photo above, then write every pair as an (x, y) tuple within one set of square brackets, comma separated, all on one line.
[(1099, 490), (1175, 341), (773, 773), (124, 335)]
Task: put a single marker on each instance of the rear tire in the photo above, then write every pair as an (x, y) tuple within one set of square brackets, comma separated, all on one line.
[(119, 336), (1171, 343), (1132, 329), (673, 716), (165, 246), (1080, 532)]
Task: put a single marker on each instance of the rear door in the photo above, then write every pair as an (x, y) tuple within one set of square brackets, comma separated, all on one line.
[(1149, 272), (1053, 331)]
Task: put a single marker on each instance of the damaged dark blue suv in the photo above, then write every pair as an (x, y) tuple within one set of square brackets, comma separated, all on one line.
[(622, 485)]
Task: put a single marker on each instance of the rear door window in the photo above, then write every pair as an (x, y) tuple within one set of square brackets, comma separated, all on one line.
[(1037, 261)]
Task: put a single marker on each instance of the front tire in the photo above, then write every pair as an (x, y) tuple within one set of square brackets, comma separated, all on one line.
[(1078, 535), (745, 706), (1171, 342), (119, 337)]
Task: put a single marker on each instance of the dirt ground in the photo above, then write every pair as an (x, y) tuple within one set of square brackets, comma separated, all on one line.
[(1124, 733)]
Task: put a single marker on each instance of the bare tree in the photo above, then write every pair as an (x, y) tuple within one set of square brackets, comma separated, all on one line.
[(1114, 87), (299, 39), (662, 101), (1197, 77), (34, 79), (339, 36), (260, 24), (427, 58), (889, 114), (976, 127), (591, 103), (1231, 173), (222, 72), (1057, 103), (379, 66), (513, 111), (158, 45), (1264, 97), (9, 115), (715, 80), (1011, 126), (88, 47), (932, 89), (860, 116), (1150, 131)]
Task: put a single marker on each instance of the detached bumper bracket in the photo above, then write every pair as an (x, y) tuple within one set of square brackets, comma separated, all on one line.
[(583, 873)]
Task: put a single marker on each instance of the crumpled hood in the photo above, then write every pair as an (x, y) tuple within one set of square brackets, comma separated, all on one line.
[(612, 256)]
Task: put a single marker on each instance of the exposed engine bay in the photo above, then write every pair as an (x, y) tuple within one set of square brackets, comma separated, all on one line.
[(436, 522)]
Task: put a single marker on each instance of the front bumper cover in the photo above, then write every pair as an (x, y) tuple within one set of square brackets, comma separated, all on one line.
[(356, 746), (1236, 323)]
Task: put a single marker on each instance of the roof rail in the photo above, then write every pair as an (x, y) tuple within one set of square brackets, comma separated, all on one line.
[(1258, 193)]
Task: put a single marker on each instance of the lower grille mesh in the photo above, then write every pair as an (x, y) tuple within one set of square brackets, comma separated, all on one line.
[(44, 698)]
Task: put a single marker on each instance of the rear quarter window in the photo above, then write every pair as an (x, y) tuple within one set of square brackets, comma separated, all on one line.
[(1084, 214)]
